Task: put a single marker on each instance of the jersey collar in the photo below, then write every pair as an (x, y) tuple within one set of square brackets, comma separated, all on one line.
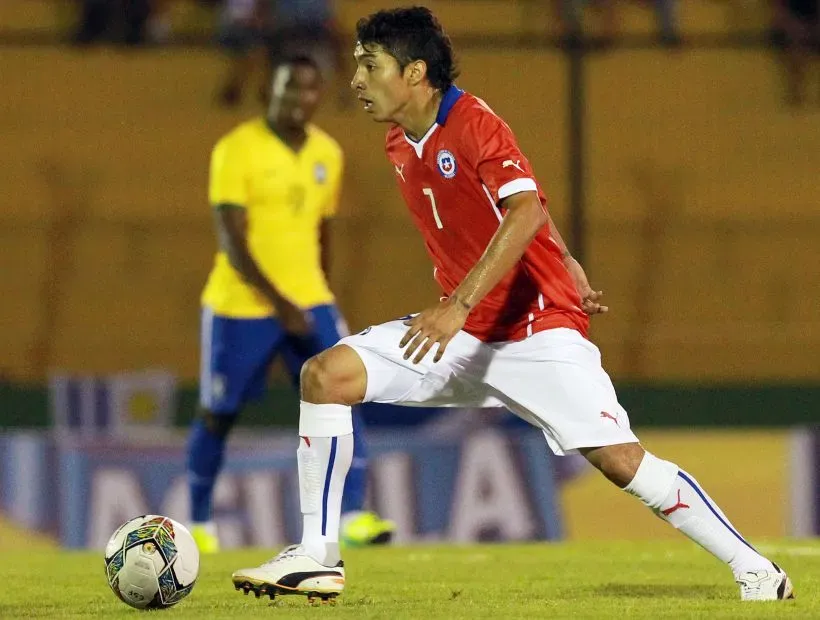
[(448, 100)]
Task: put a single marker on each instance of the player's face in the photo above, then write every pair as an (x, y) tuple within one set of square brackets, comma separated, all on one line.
[(379, 83), (295, 94)]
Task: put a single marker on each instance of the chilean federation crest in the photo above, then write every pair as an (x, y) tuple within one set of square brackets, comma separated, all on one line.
[(446, 163)]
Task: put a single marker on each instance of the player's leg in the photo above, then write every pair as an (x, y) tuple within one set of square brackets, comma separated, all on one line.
[(366, 367), (675, 496), (556, 378), (359, 526), (330, 383), (356, 481), (234, 358)]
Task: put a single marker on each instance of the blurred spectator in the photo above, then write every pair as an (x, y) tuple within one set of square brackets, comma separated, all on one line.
[(158, 27), (130, 22), (570, 12), (244, 33), (309, 27), (797, 33), (256, 33)]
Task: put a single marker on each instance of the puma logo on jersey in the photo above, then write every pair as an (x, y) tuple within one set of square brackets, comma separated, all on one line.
[(514, 164), (400, 171)]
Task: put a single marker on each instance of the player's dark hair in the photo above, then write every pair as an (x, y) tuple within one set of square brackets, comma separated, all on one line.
[(411, 34)]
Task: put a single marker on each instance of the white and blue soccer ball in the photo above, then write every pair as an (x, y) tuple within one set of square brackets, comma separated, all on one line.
[(151, 562)]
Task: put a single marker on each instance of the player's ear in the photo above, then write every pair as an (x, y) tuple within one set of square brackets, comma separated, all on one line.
[(416, 71)]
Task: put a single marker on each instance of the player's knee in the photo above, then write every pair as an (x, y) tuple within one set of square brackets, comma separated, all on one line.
[(334, 376), (219, 425), (313, 379)]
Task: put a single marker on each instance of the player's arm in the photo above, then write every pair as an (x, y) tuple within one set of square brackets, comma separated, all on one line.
[(524, 218), (324, 240), (502, 167), (590, 299), (231, 232), (329, 210), (228, 194)]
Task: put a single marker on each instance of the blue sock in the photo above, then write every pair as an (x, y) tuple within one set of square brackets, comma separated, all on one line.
[(205, 454), (356, 482)]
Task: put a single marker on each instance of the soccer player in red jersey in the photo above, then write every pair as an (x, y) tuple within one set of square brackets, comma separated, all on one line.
[(510, 329)]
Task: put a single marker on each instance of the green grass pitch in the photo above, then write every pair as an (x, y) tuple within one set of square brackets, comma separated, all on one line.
[(570, 580)]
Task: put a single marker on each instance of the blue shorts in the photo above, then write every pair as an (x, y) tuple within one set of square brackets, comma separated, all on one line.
[(237, 354)]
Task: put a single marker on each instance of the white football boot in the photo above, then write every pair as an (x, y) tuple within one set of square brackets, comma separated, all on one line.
[(292, 572), (765, 585)]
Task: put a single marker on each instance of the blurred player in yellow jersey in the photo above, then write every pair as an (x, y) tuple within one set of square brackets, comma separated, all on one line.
[(274, 187)]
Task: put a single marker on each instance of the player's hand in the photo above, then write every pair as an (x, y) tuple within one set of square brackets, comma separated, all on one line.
[(590, 299), (295, 320), (436, 325)]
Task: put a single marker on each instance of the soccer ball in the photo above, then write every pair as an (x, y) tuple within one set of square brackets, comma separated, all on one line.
[(151, 562)]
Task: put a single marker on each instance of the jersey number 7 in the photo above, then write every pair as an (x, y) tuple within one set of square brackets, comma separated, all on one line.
[(429, 193)]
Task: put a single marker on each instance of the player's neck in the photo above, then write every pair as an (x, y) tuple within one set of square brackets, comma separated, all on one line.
[(420, 114), (294, 137)]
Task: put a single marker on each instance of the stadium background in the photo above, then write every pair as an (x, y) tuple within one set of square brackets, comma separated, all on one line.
[(702, 224)]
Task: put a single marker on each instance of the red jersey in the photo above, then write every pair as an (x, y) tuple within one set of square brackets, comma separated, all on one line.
[(453, 181)]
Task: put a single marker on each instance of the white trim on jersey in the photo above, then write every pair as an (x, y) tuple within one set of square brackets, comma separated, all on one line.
[(419, 146), (531, 318), (540, 301), (492, 202), (516, 187)]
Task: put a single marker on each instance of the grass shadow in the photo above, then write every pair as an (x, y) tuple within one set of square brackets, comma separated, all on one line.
[(667, 590)]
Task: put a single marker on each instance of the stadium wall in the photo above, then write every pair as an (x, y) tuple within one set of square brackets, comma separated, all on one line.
[(649, 406), (702, 210)]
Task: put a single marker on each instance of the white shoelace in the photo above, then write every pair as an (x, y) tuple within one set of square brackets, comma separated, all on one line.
[(288, 553)]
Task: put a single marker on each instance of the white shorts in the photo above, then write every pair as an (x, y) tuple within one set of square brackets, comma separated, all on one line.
[(553, 379)]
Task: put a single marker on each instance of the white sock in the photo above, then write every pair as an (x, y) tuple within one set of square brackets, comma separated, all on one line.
[(676, 497), (324, 456)]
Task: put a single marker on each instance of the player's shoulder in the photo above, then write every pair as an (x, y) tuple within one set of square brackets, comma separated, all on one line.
[(241, 134), (473, 111), (324, 141)]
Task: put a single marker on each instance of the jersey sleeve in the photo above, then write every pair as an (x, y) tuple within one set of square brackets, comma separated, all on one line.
[(228, 184), (334, 190), (493, 150)]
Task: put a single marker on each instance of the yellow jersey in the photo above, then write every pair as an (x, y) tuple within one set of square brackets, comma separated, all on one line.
[(286, 195)]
